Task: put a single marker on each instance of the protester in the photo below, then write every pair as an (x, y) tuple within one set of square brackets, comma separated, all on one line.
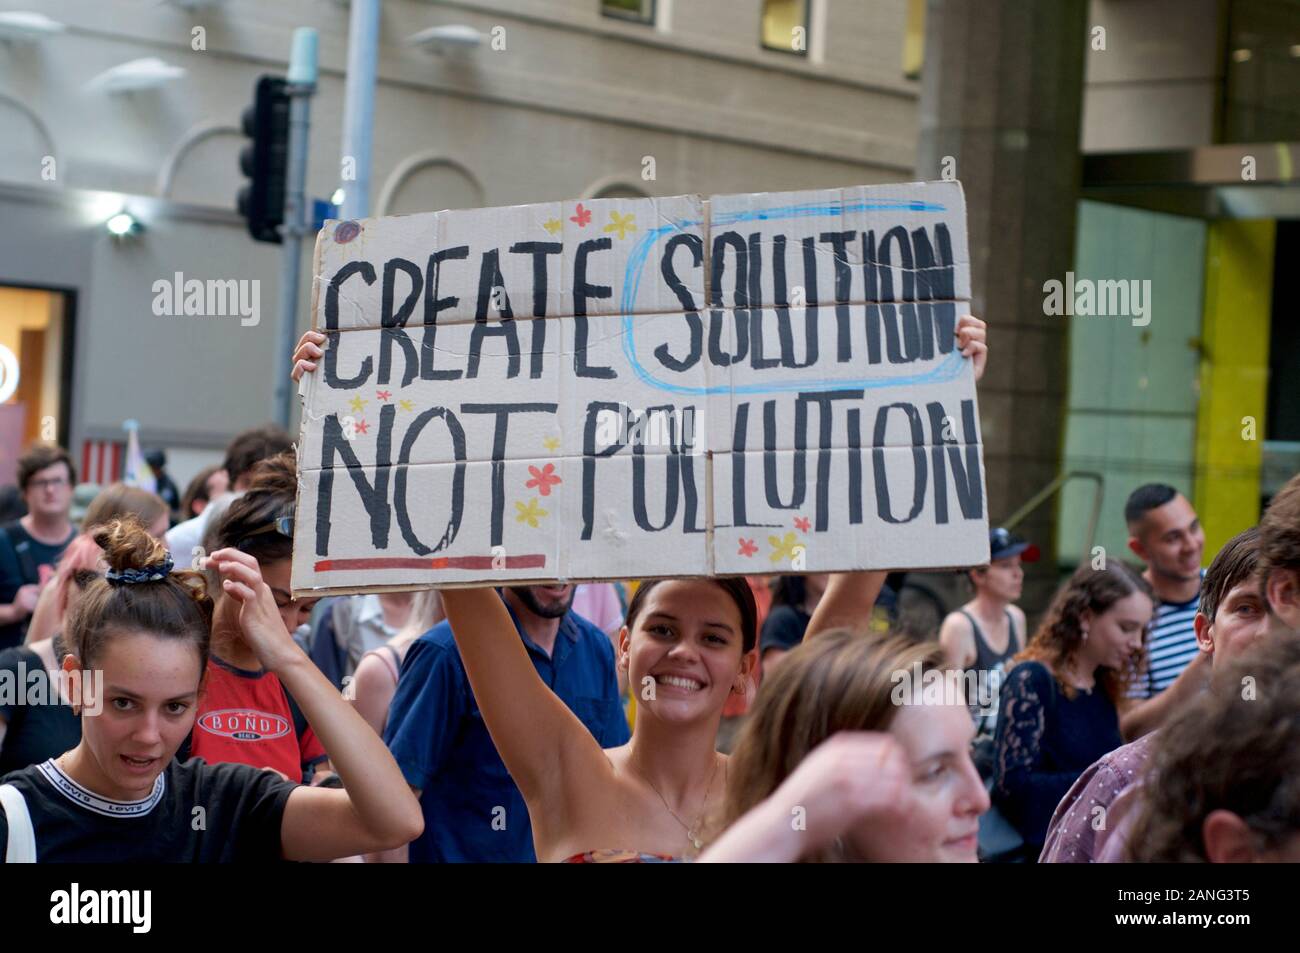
[(31, 546), (982, 636), (375, 681), (1224, 771), (1165, 533), (834, 764), (164, 484), (39, 723), (246, 715), (113, 502), (208, 484), (794, 600), (121, 797), (246, 450), (118, 499), (363, 623), (687, 645), (1059, 704), (438, 723), (1233, 615)]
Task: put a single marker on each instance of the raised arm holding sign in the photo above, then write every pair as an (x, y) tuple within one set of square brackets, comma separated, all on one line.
[(815, 448), (642, 388)]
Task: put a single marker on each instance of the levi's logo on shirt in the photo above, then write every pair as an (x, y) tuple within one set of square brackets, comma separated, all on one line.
[(244, 724)]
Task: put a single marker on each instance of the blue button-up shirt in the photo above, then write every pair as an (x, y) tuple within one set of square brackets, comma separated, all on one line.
[(472, 809)]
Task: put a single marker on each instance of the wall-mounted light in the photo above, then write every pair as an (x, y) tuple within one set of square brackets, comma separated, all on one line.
[(147, 73), (447, 39), (1242, 55), (123, 225), (22, 25)]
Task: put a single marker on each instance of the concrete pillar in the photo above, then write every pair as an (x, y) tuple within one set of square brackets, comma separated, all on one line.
[(1002, 88)]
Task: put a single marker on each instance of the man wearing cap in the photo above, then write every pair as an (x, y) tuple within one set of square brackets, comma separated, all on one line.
[(982, 636)]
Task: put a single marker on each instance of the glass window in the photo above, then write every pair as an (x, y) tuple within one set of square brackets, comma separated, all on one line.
[(35, 372), (642, 11), (785, 26), (1262, 72)]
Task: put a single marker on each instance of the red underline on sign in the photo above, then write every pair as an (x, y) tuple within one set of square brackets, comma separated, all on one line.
[(527, 561)]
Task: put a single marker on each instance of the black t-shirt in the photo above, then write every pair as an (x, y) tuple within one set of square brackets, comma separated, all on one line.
[(783, 628), (39, 726), (197, 813), (21, 557)]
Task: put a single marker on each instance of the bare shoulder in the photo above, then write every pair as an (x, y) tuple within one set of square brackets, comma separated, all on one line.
[(372, 672), (957, 636)]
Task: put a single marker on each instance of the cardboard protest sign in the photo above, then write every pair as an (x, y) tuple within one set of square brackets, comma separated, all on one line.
[(629, 388)]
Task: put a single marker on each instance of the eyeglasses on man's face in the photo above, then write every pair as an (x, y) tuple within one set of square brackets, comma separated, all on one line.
[(48, 483)]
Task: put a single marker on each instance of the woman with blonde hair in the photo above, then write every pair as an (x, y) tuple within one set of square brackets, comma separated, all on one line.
[(851, 754)]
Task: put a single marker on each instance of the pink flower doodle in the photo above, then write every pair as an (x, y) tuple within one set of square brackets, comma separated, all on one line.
[(583, 216), (543, 479), (802, 523), (747, 547)]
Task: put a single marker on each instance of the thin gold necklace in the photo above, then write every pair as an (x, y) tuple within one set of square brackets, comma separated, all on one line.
[(691, 829)]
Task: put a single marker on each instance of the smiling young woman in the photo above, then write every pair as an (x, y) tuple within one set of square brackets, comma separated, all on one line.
[(687, 645)]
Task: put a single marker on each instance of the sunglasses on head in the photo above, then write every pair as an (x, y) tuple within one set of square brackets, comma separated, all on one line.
[(283, 525)]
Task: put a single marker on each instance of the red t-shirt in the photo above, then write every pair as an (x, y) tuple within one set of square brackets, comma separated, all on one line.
[(246, 718)]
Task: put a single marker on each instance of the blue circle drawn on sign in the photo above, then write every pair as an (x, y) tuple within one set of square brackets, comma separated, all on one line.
[(947, 369)]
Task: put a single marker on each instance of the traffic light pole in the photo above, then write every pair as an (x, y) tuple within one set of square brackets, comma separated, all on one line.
[(302, 85)]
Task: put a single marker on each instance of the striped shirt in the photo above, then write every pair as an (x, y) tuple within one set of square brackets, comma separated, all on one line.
[(1171, 645)]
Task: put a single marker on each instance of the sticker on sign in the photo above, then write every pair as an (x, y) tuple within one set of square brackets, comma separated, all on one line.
[(631, 388)]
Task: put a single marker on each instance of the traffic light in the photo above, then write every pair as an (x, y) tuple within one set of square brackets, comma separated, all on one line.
[(265, 160)]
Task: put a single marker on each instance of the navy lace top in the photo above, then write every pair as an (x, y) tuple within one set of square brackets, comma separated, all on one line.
[(1044, 742)]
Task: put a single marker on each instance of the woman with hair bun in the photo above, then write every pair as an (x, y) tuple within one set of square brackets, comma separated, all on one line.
[(1059, 707), (137, 648)]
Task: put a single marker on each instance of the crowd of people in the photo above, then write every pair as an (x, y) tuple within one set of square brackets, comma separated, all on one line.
[(178, 702)]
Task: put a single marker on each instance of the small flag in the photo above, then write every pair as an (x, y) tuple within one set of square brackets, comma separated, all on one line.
[(137, 471)]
